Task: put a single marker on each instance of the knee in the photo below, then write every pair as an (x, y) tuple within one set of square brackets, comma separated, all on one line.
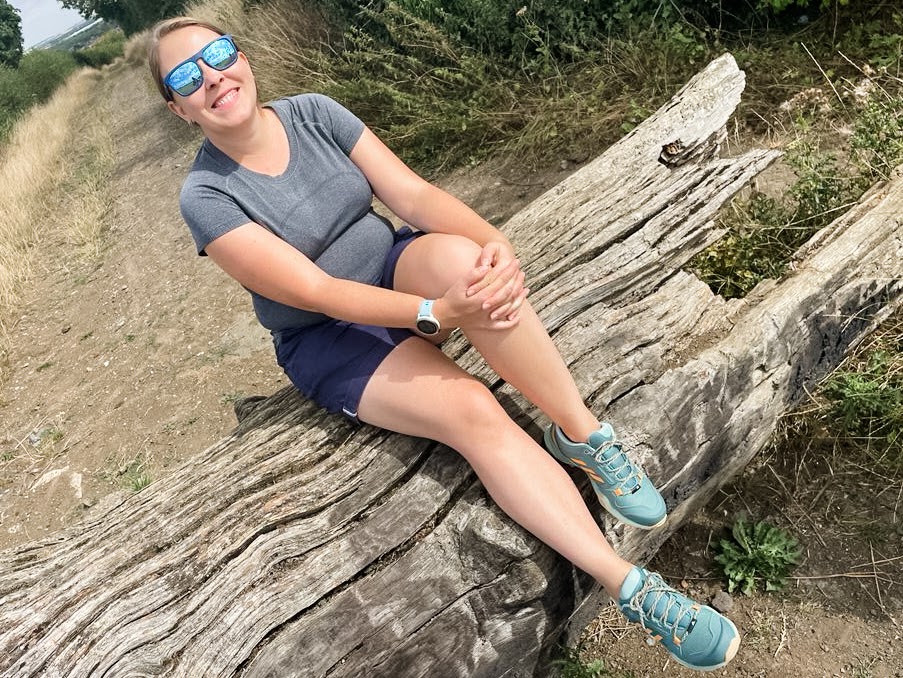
[(459, 254), (474, 413)]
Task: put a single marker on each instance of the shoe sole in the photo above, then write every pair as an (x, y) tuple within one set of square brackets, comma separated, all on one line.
[(552, 448)]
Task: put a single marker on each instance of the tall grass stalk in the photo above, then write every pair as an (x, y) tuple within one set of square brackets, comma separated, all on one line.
[(33, 167)]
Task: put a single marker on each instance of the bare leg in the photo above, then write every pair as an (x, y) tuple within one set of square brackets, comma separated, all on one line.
[(419, 391), (524, 356)]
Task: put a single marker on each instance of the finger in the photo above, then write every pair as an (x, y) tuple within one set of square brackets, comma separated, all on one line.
[(502, 311), (474, 279), (516, 306), (504, 324), (494, 278), (511, 309), (506, 292), (490, 254)]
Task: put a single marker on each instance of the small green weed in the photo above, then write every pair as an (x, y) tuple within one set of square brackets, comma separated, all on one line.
[(570, 665), (139, 482), (863, 668), (51, 435), (757, 552), (134, 474), (43, 366), (865, 400), (230, 398)]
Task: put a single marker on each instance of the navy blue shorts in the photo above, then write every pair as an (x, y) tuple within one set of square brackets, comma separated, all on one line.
[(332, 362)]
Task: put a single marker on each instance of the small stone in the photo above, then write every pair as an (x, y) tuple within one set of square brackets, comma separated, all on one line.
[(723, 602)]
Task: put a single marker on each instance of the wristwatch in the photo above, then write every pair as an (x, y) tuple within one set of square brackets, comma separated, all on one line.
[(426, 321)]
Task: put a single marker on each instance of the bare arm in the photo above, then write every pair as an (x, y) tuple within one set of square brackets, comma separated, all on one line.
[(423, 205), (266, 264)]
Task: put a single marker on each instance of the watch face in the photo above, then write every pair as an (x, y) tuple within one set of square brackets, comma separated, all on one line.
[(427, 326)]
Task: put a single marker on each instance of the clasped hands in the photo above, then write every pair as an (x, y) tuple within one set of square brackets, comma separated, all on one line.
[(489, 296)]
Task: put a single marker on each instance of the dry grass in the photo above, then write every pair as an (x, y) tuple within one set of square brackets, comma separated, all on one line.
[(88, 201), (36, 173)]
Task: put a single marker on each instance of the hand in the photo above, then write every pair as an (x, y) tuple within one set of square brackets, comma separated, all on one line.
[(505, 303), (485, 298)]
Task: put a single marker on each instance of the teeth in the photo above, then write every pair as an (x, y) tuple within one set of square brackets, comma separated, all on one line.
[(228, 96)]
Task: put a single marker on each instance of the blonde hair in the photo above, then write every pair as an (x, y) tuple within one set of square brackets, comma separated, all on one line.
[(161, 30)]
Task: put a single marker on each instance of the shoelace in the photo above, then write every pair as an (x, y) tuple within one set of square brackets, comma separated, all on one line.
[(618, 463), (655, 589)]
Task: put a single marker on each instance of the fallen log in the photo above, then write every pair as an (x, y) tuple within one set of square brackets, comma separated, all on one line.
[(301, 545)]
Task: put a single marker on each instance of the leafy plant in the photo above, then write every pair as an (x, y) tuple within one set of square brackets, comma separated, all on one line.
[(38, 75), (867, 402), (570, 665), (877, 143), (757, 552)]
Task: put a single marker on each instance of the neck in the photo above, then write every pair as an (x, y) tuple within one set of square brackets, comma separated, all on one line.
[(245, 141)]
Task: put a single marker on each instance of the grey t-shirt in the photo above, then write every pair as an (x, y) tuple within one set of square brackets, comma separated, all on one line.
[(321, 204)]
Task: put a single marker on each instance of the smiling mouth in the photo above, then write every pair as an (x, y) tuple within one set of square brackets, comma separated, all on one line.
[(226, 99)]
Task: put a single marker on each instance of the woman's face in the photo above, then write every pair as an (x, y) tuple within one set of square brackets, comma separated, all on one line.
[(225, 99)]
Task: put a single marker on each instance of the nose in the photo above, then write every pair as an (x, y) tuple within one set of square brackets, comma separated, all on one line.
[(211, 75)]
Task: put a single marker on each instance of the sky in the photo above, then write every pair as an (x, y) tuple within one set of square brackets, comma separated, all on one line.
[(42, 19)]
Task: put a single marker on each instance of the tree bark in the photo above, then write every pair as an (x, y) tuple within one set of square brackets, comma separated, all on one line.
[(301, 545)]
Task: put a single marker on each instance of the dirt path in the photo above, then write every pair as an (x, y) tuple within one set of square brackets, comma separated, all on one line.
[(123, 366)]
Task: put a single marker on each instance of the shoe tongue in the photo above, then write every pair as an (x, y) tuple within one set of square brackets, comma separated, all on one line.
[(604, 435), (658, 605), (598, 439), (631, 585)]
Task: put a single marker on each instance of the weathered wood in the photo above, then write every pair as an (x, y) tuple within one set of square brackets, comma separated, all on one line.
[(303, 546)]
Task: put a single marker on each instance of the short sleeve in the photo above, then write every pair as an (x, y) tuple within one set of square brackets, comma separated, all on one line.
[(209, 213), (343, 125)]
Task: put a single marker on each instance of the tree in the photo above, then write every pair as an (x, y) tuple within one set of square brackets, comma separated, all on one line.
[(131, 15), (10, 35)]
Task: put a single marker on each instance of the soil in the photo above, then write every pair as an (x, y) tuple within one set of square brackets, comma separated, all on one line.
[(126, 365)]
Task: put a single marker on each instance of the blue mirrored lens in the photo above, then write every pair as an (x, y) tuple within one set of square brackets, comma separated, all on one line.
[(185, 79), (219, 54)]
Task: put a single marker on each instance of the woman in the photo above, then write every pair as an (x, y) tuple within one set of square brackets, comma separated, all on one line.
[(280, 195)]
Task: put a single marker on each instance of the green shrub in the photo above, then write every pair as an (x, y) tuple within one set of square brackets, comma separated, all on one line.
[(866, 402), (39, 73), (440, 103), (104, 50), (877, 143), (763, 233), (757, 552), (749, 252)]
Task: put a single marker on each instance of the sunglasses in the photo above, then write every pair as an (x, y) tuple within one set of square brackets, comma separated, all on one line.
[(187, 78)]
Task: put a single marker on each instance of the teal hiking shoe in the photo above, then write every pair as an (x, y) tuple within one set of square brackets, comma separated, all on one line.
[(621, 486), (696, 635)]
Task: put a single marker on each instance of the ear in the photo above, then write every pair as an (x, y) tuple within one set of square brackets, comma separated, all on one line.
[(175, 108)]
